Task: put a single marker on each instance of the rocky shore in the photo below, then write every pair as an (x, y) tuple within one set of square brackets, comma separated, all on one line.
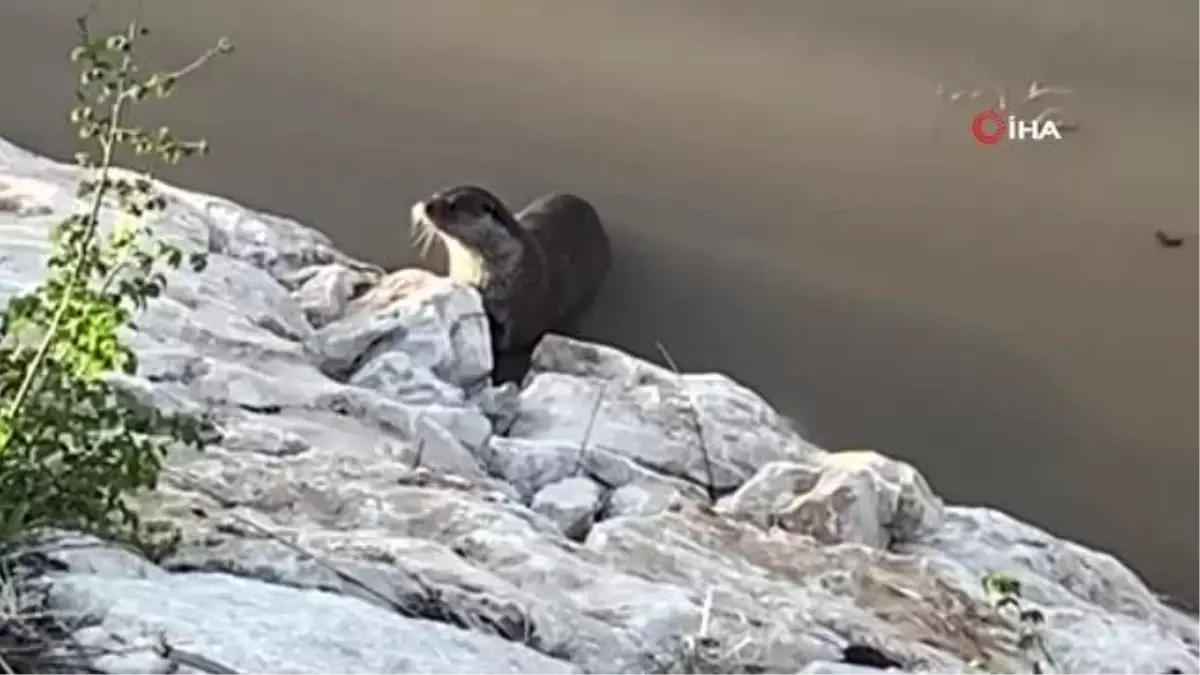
[(375, 506)]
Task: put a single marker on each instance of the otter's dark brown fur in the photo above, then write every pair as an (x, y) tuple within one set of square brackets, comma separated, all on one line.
[(534, 270)]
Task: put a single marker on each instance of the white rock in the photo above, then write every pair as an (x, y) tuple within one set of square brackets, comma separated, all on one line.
[(836, 668), (254, 627), (767, 492), (702, 428), (643, 499), (531, 465), (393, 374), (323, 292), (572, 504), (439, 324), (860, 497)]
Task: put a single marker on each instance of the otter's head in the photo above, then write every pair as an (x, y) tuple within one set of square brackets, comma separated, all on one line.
[(469, 218)]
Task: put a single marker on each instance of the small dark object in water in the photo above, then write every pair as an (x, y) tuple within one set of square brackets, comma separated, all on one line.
[(862, 655), (1167, 240)]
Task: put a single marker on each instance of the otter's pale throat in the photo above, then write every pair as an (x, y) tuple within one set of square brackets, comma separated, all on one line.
[(468, 265)]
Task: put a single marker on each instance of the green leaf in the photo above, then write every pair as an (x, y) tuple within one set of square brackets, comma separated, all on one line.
[(166, 85), (117, 43), (198, 261), (1033, 616)]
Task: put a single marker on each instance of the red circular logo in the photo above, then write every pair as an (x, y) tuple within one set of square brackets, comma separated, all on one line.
[(988, 127)]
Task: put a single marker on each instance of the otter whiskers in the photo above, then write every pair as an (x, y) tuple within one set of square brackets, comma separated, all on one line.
[(423, 235)]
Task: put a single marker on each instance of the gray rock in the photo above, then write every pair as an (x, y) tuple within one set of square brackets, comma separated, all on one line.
[(642, 499), (393, 374), (836, 668), (323, 292), (859, 497), (776, 483), (501, 404), (530, 466), (572, 504), (705, 429), (439, 324), (254, 627)]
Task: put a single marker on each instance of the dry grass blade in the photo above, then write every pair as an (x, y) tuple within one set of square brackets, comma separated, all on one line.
[(705, 650), (180, 657), (667, 357), (15, 623), (711, 487), (587, 431), (29, 630), (706, 612)]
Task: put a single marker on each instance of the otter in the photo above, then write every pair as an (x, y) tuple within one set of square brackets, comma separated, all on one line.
[(535, 270)]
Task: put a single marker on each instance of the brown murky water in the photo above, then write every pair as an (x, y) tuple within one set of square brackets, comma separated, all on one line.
[(790, 203)]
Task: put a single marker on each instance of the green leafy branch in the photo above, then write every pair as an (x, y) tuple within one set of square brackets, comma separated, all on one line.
[(74, 448)]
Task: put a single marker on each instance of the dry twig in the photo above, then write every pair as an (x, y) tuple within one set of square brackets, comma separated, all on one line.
[(698, 426)]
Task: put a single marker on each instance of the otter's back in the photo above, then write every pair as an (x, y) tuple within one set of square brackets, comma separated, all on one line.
[(574, 245)]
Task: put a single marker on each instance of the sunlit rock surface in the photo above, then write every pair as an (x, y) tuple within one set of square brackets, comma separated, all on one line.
[(376, 505)]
